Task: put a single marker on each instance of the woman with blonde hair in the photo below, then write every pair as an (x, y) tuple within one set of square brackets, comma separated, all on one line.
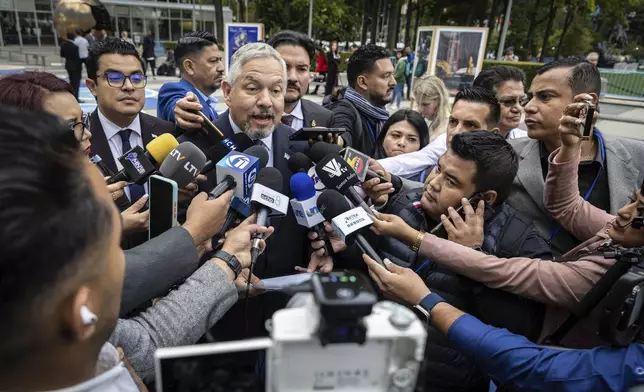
[(432, 103)]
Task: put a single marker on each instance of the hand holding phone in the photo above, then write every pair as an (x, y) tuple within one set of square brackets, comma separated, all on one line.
[(464, 225), (318, 134)]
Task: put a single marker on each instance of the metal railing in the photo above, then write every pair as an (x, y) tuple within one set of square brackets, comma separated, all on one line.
[(622, 83)]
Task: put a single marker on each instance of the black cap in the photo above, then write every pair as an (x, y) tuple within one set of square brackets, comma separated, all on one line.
[(299, 162), (260, 153), (322, 149), (271, 178), (331, 203), (335, 173), (242, 141)]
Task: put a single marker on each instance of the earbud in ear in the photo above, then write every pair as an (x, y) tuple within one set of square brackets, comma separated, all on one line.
[(87, 316)]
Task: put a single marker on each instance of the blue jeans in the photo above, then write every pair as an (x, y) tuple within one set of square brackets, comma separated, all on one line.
[(398, 93)]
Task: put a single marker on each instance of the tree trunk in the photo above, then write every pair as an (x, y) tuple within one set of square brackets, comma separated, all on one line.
[(408, 23), (365, 23), (419, 14), (219, 21), (374, 22), (546, 34), (570, 15), (398, 19), (393, 24), (533, 24), (491, 23), (438, 12)]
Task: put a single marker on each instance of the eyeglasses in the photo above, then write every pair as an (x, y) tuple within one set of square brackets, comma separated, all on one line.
[(509, 102), (117, 79), (81, 127)]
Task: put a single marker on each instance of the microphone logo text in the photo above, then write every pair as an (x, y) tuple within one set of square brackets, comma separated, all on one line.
[(133, 158), (238, 161), (334, 169)]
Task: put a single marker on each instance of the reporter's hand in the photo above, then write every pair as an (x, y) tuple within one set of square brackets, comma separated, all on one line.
[(133, 220), (320, 260), (377, 192), (328, 138), (396, 281), (116, 189), (377, 167), (205, 218), (238, 240), (191, 189), (182, 115), (242, 282), (390, 225), (468, 232)]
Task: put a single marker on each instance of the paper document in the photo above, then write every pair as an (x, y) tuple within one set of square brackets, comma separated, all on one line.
[(282, 282)]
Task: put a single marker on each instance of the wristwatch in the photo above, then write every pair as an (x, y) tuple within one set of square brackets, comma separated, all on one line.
[(424, 308), (230, 260)]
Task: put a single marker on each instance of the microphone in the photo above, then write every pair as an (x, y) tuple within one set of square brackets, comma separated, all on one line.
[(356, 159), (348, 223), (299, 162), (321, 149), (233, 169), (183, 164), (304, 205), (139, 164), (336, 174), (267, 199), (219, 150), (98, 161)]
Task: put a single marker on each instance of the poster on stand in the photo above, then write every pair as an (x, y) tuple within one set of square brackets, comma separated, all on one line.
[(240, 34)]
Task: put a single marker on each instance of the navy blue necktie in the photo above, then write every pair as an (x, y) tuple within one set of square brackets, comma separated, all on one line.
[(136, 190)]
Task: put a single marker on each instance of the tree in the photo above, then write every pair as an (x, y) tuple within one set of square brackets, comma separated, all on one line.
[(572, 8), (546, 34)]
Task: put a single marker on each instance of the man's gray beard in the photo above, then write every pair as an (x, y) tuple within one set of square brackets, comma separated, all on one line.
[(258, 134)]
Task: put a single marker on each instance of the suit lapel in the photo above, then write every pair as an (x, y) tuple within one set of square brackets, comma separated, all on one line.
[(100, 144), (308, 123), (622, 174), (530, 173), (281, 146), (147, 128)]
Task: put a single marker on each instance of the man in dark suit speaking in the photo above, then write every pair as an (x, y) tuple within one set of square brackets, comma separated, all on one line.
[(297, 49), (254, 92)]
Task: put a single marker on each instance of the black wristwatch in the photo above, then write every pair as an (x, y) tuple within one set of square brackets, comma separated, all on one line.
[(424, 308), (230, 260)]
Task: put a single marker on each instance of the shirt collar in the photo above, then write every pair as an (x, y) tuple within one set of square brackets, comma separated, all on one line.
[(268, 141), (110, 129), (297, 111), (204, 96)]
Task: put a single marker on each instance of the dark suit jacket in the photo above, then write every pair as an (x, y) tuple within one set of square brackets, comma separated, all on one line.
[(316, 114), (152, 268), (286, 248), (625, 170), (171, 92)]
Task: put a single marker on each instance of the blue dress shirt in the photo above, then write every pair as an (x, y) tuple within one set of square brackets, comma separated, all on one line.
[(512, 359)]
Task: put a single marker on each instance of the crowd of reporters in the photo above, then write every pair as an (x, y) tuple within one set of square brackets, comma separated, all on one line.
[(80, 277)]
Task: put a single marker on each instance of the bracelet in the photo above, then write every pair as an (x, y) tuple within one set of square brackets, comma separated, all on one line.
[(419, 240)]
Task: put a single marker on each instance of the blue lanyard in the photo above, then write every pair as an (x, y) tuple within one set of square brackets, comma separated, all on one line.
[(422, 266), (602, 151), (373, 134)]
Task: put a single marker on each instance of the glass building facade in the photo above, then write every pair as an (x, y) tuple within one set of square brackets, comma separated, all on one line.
[(30, 22)]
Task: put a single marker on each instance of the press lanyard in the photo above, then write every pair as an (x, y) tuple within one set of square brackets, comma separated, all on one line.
[(602, 151)]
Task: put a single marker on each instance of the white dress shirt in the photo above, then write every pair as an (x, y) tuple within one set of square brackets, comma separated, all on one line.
[(267, 141), (83, 46), (298, 116), (112, 130), (410, 164)]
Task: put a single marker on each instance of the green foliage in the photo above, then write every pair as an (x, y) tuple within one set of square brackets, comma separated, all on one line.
[(530, 69)]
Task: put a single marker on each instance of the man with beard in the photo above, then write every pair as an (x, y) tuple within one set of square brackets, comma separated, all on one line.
[(202, 71), (297, 49), (362, 109)]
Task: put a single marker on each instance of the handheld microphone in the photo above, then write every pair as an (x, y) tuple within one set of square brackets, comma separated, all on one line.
[(219, 150), (139, 164), (183, 164), (357, 160), (235, 169), (299, 162), (304, 205), (321, 149), (347, 222), (267, 199), (336, 174), (98, 161)]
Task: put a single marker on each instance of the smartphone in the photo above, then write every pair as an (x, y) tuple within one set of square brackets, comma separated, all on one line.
[(588, 123), (163, 205), (304, 134), (474, 202)]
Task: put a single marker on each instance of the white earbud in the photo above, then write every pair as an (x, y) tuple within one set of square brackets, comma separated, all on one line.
[(88, 317)]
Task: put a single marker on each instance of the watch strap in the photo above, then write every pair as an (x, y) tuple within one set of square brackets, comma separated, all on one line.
[(430, 300), (230, 260)]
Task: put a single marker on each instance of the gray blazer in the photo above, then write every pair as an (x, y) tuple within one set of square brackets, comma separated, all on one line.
[(154, 266), (180, 318), (624, 164), (315, 113)]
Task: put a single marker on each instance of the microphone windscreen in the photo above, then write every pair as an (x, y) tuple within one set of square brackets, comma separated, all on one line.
[(302, 186), (260, 153), (217, 151), (335, 173), (299, 162), (331, 203), (242, 141), (322, 149), (183, 164), (160, 147), (271, 178)]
